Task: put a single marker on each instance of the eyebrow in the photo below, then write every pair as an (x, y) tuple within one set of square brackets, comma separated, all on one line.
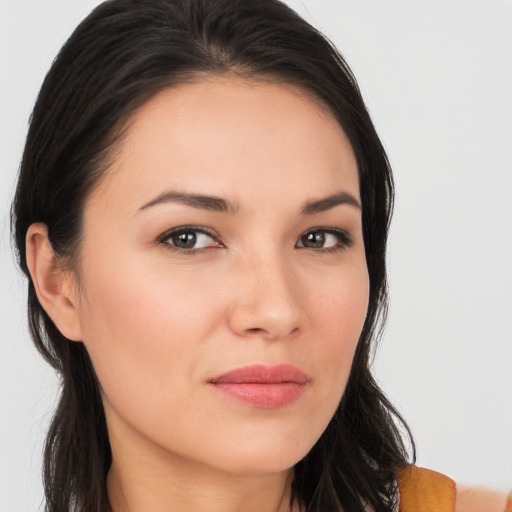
[(213, 203), (219, 204), (322, 205)]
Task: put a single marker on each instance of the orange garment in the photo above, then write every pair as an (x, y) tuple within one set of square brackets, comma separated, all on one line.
[(423, 490)]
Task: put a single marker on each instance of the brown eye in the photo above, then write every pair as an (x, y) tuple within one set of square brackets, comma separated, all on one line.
[(184, 240), (315, 239), (326, 239), (188, 239)]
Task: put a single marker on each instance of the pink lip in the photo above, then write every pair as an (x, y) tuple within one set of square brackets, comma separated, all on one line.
[(262, 386)]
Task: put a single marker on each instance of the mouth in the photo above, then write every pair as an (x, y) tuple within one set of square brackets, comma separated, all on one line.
[(268, 387)]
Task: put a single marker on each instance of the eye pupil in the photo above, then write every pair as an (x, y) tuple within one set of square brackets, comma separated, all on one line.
[(315, 239), (184, 240)]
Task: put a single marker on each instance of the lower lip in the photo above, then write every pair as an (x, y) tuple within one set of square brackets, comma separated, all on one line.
[(268, 396)]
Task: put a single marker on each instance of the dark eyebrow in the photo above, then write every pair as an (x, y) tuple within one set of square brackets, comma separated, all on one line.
[(321, 205), (214, 203), (218, 204)]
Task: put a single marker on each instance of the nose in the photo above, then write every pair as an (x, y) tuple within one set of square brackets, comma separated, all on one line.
[(268, 302)]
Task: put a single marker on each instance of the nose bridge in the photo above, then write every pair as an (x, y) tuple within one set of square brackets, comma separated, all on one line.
[(273, 278), (269, 303)]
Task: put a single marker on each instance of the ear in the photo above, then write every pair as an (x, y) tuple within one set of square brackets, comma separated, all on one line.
[(56, 288)]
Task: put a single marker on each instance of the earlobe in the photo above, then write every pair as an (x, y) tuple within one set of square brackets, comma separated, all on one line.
[(55, 287)]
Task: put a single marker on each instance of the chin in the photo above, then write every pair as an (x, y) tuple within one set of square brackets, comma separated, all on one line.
[(259, 465), (262, 456)]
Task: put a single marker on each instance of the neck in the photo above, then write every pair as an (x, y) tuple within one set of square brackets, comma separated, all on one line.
[(147, 477), (199, 490)]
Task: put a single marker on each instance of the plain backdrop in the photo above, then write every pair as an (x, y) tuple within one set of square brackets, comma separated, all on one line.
[(437, 79)]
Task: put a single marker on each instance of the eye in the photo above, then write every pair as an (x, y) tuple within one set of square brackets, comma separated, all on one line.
[(325, 239), (189, 239)]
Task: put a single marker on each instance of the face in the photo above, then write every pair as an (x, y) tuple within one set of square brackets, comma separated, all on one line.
[(223, 276)]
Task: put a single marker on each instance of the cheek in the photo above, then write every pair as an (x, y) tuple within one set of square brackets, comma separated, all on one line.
[(143, 332), (338, 311), (337, 316)]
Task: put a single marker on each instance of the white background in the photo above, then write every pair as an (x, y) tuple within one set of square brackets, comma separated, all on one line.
[(437, 78)]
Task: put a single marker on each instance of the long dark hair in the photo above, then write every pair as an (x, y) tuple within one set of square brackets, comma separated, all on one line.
[(124, 52)]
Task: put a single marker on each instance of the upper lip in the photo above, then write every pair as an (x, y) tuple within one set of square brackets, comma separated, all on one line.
[(262, 374)]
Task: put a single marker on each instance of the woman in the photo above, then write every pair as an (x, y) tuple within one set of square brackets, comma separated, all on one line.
[(202, 213)]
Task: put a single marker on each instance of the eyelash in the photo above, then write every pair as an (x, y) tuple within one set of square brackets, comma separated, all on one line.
[(164, 239), (343, 237)]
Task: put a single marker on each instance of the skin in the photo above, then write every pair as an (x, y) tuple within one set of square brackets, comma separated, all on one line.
[(477, 499), (159, 323)]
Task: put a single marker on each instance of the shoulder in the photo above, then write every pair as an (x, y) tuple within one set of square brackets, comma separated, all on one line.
[(478, 499), (424, 490)]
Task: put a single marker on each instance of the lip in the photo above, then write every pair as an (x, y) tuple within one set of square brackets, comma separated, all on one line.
[(264, 386)]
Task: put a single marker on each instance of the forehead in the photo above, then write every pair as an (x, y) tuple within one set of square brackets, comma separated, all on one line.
[(233, 138)]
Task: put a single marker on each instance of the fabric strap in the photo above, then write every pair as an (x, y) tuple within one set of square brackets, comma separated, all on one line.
[(424, 490)]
